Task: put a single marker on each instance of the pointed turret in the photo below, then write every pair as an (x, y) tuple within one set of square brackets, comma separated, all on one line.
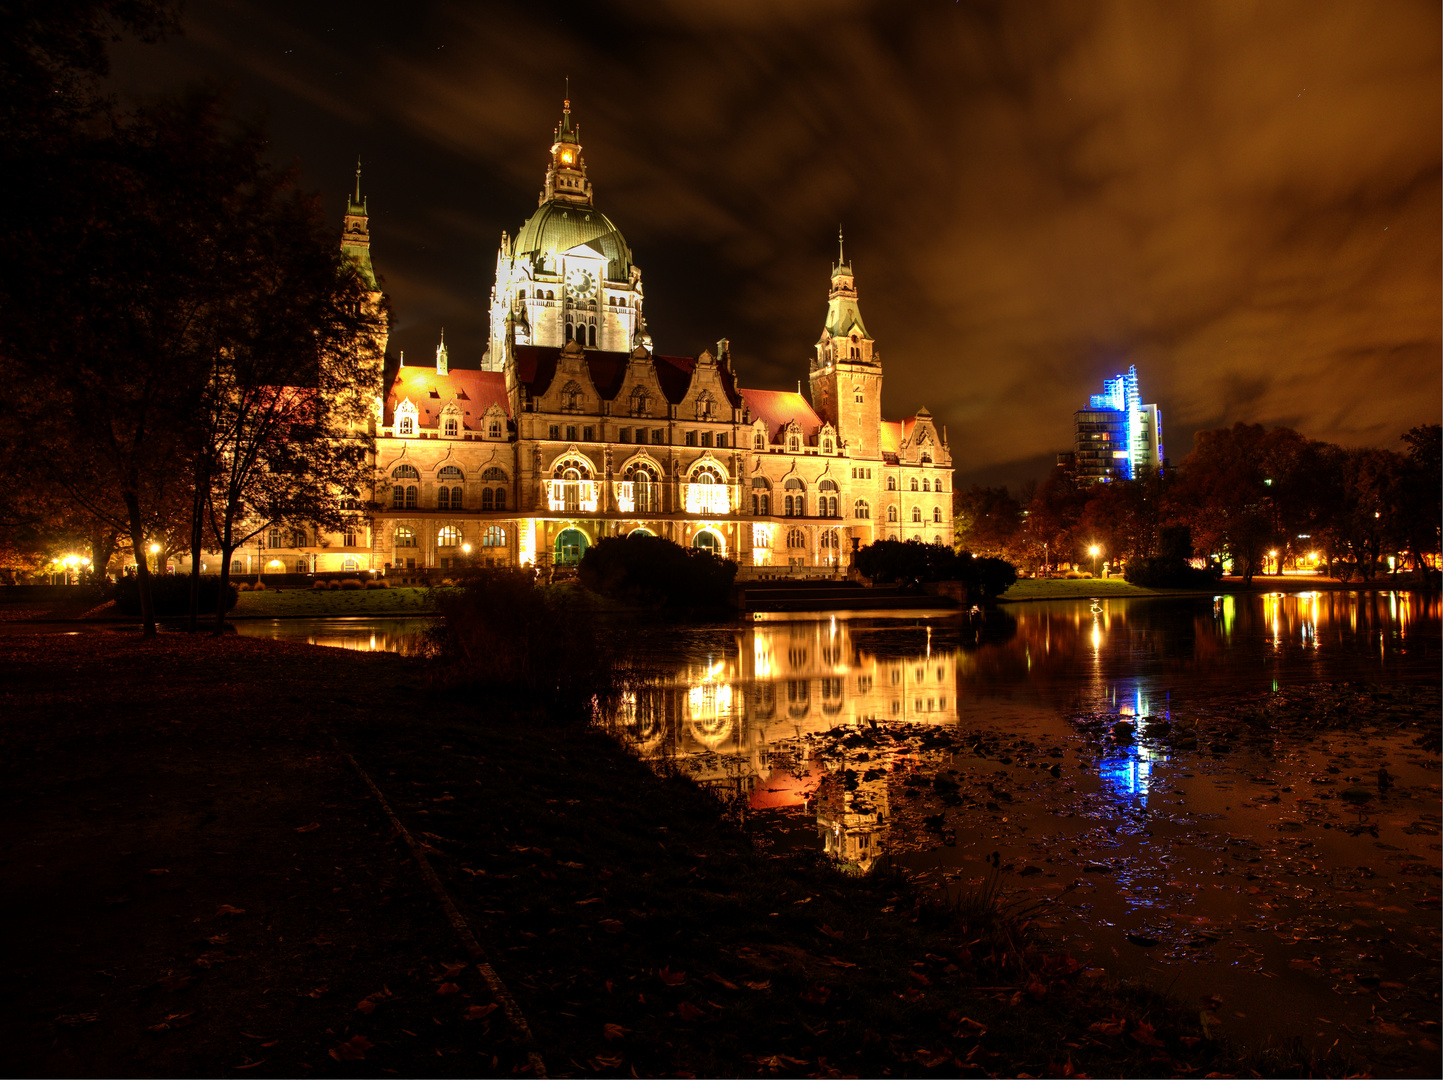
[(844, 317), (443, 356), (566, 175), (356, 234), (846, 375)]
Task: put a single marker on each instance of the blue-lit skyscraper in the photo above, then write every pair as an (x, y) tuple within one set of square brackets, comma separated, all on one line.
[(1117, 437)]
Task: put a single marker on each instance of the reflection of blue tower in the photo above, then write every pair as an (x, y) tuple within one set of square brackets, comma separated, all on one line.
[(1127, 770)]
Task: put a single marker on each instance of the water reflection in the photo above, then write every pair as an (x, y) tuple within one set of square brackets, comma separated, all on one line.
[(404, 636)]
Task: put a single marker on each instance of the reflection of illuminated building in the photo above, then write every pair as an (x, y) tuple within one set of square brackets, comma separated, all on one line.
[(852, 824), (784, 681), (1126, 769)]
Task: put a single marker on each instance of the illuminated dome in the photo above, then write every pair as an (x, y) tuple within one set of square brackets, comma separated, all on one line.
[(558, 226)]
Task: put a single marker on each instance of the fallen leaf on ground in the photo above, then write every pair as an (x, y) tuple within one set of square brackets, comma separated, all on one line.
[(448, 988), (353, 1049), (687, 1011), (831, 933), (226, 909), (174, 982), (219, 939), (611, 926), (1113, 1025), (1143, 1033), (817, 995), (312, 827), (480, 1012), (76, 1019), (601, 1061), (714, 977), (671, 978), (611, 1031), (157, 871), (765, 985), (454, 969)]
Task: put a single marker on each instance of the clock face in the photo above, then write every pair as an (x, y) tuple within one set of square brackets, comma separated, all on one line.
[(579, 283)]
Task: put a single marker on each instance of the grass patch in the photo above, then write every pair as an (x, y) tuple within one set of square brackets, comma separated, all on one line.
[(319, 603), (1072, 589)]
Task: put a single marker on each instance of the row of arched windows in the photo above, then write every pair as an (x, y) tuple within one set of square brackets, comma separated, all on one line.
[(449, 472), (450, 536)]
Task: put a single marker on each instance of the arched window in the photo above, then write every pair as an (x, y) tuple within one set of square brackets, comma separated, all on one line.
[(796, 538), (408, 426), (521, 294), (494, 536), (891, 483), (398, 497), (500, 498), (917, 514), (937, 515), (640, 402), (493, 429), (455, 498), (914, 483), (443, 498), (405, 537), (830, 540), (936, 539), (302, 566), (926, 457), (826, 446), (348, 538), (570, 332), (891, 513), (796, 504), (412, 493), (298, 538), (551, 294), (488, 499), (449, 536), (453, 427), (493, 475), (759, 441), (273, 537), (926, 484), (571, 396), (644, 491), (350, 562), (706, 540), (827, 485), (794, 444), (860, 509), (450, 472), (704, 405), (405, 472), (591, 336)]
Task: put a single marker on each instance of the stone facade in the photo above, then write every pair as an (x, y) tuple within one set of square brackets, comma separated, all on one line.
[(575, 428)]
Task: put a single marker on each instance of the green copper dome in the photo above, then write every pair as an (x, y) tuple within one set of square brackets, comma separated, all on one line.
[(559, 226)]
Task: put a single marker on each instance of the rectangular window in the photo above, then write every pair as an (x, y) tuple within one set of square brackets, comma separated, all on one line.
[(624, 435), (570, 432), (691, 438), (555, 431), (588, 434), (641, 436), (721, 441), (706, 438), (656, 436)]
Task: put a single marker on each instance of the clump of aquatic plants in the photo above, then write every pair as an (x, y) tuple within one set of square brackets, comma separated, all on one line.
[(533, 648)]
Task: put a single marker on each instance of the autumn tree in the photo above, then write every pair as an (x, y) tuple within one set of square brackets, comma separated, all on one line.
[(986, 520)]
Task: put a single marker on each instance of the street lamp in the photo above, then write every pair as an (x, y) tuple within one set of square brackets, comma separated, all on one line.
[(1093, 551), (1274, 556)]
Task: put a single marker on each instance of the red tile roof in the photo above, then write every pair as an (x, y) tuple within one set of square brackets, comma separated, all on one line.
[(777, 408), (475, 391)]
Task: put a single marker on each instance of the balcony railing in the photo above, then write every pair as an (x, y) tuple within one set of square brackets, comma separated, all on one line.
[(712, 500), (636, 497), (571, 496)]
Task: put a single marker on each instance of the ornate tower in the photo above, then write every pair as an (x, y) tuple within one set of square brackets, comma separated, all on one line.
[(846, 374), (356, 246), (568, 275)]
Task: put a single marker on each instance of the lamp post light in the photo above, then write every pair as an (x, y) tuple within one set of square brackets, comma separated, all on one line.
[(1277, 567), (1093, 551), (155, 556)]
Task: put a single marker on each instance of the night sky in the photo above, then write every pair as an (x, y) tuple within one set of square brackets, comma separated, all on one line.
[(1243, 199)]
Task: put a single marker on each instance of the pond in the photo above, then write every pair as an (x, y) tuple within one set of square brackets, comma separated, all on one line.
[(1230, 798), (358, 633)]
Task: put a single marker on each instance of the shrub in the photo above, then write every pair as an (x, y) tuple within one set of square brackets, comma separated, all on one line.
[(353, 583), (171, 594), (541, 648), (654, 572), (913, 562), (334, 583), (1076, 575), (1161, 572), (259, 586), (244, 586), (378, 583), (318, 584)]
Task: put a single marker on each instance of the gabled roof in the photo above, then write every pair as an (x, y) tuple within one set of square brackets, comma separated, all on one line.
[(777, 408), (474, 391), (536, 368)]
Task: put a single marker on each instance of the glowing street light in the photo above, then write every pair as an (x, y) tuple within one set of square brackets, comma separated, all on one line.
[(466, 548), (1093, 551)]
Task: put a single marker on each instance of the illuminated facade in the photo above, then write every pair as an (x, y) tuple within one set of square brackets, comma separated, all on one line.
[(1117, 437), (575, 428)]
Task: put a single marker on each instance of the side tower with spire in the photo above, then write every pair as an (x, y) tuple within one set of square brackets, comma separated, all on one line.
[(567, 275), (356, 247), (846, 373)]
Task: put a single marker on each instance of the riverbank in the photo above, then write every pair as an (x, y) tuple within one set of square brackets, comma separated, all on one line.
[(199, 882), (1104, 588)]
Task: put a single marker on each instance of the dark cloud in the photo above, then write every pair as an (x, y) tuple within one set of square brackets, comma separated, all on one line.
[(1242, 199)]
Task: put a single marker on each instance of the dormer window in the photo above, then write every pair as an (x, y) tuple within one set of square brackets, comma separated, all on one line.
[(759, 441), (493, 430), (826, 446), (453, 427), (408, 426), (794, 444)]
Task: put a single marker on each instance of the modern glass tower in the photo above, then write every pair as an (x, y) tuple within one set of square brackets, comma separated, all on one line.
[(1117, 437)]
